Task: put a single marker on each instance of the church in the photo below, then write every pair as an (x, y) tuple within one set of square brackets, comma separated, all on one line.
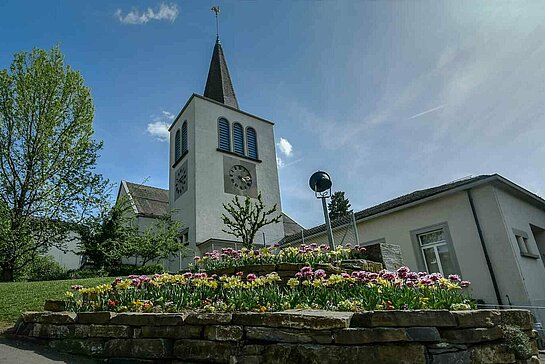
[(217, 151)]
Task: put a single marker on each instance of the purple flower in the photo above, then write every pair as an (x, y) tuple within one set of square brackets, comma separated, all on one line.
[(427, 281), (188, 275), (76, 287), (454, 278), (251, 277), (389, 276), (464, 284), (435, 276), (135, 282), (402, 272), (412, 276), (197, 258), (320, 273)]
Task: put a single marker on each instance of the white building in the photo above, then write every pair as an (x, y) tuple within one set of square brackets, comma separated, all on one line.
[(486, 228)]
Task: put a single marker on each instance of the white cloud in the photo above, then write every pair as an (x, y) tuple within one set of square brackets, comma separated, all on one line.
[(168, 114), (166, 12), (285, 147), (159, 130), (279, 162)]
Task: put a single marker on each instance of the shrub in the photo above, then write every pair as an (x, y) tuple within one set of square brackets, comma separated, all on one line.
[(517, 341), (44, 268), (88, 273), (127, 269), (120, 270)]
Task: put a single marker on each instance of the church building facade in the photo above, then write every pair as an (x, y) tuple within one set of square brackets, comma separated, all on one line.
[(217, 152)]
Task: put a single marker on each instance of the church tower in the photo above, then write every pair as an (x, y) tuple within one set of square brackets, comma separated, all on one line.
[(217, 152)]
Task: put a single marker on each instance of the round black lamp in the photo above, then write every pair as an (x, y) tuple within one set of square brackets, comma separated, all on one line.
[(320, 183)]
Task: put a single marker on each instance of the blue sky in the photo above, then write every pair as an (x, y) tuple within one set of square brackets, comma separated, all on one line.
[(387, 96)]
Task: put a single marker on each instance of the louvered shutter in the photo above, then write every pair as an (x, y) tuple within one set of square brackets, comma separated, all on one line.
[(224, 142), (184, 137), (238, 139), (251, 138), (177, 146)]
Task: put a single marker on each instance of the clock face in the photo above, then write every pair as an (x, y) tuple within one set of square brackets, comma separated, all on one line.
[(181, 180), (240, 177)]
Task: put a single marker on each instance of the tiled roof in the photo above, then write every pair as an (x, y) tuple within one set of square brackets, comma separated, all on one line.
[(218, 84), (149, 201), (388, 205)]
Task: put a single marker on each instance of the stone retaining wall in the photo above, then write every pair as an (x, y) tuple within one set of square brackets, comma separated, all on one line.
[(292, 336)]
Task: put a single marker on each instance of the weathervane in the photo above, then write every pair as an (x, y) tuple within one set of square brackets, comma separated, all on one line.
[(216, 10)]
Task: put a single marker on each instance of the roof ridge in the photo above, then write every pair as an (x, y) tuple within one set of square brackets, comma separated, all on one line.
[(143, 185)]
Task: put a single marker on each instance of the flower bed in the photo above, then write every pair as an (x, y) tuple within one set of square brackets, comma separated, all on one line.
[(305, 254), (310, 288)]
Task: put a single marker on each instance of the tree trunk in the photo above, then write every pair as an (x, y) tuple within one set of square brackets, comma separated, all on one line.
[(8, 273)]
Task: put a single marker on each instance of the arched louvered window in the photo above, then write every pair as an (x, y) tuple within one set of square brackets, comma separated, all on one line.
[(238, 139), (184, 137), (224, 137), (177, 146), (251, 139)]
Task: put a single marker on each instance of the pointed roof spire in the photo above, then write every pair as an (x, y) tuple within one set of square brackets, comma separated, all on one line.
[(218, 84)]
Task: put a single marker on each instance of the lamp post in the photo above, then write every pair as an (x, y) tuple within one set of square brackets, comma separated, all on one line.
[(320, 183)]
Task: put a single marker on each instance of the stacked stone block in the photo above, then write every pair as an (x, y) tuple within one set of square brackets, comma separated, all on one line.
[(292, 336)]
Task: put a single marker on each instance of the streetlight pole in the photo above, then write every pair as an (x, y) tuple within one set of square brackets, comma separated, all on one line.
[(320, 183), (328, 224)]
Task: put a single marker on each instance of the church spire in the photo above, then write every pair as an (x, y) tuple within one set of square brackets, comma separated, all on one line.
[(218, 84)]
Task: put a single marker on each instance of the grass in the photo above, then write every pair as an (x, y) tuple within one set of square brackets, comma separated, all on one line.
[(17, 297)]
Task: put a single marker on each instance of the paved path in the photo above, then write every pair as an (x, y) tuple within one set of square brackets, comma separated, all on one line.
[(24, 352)]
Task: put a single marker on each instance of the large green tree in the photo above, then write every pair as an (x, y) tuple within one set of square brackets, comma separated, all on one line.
[(160, 240), (47, 156), (112, 234)]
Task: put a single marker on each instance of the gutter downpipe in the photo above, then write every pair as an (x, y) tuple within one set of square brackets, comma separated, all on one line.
[(485, 251)]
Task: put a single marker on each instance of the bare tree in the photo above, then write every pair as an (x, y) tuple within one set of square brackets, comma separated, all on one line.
[(247, 218)]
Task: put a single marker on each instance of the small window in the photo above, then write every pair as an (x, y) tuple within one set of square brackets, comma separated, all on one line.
[(177, 146), (524, 245), (184, 137), (238, 139), (185, 238), (251, 139), (435, 251), (224, 139)]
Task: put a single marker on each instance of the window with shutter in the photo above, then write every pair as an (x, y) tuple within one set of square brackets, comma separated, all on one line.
[(177, 146), (251, 139), (184, 137), (224, 139), (238, 139)]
